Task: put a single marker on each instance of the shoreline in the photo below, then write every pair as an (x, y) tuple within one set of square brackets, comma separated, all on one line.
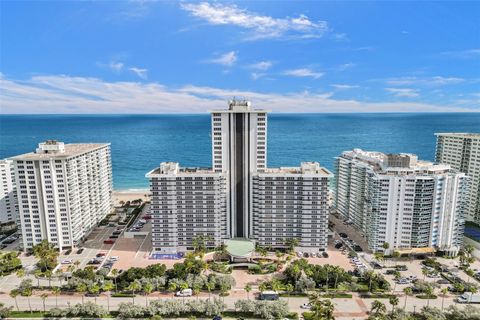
[(129, 195)]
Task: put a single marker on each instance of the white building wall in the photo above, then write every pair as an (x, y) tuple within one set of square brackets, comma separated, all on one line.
[(8, 195), (62, 197), (462, 152), (411, 207)]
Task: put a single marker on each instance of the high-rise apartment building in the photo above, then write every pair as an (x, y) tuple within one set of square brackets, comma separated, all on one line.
[(8, 195), (462, 152), (63, 191), (239, 197), (400, 200)]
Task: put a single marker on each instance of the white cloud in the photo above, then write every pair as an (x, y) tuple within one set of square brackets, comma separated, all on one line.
[(344, 86), (114, 66), (428, 81), (403, 92), (303, 72), (261, 26), (262, 65), (346, 66), (227, 59), (142, 73), (66, 94), (464, 54), (257, 75)]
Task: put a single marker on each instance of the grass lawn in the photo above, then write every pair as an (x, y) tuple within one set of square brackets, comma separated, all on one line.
[(27, 314)]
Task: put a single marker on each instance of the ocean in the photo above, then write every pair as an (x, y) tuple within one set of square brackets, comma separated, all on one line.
[(140, 142)]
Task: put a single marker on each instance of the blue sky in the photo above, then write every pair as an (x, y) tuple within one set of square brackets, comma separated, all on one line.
[(163, 57)]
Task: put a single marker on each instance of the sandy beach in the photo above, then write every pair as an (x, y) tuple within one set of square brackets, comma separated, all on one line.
[(129, 195)]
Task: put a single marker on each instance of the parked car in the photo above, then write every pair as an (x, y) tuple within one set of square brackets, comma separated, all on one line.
[(184, 293), (343, 235), (443, 281), (79, 251), (101, 254), (109, 241), (306, 306), (375, 265), (338, 245), (113, 258), (67, 261), (268, 295), (325, 254)]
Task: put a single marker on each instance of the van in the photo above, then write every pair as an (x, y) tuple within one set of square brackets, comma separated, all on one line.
[(184, 293)]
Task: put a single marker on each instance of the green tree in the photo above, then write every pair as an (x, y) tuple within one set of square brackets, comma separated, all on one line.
[(291, 243), (172, 287), (44, 297), (133, 287), (248, 288), (56, 292), (47, 255), (408, 292), (394, 302), (115, 274), (107, 287), (27, 292), (444, 292), (82, 288), (210, 285), (13, 294), (429, 293), (378, 308), (94, 289), (147, 289)]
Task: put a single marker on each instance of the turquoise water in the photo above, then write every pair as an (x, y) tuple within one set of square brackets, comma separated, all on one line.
[(141, 142)]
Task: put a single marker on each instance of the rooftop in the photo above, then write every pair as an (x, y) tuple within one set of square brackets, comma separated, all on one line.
[(305, 168), (459, 134), (394, 163), (65, 151), (173, 168)]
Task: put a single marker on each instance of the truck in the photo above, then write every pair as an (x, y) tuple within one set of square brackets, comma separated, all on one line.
[(469, 297)]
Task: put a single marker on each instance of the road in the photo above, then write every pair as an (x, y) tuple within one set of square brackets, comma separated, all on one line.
[(354, 308)]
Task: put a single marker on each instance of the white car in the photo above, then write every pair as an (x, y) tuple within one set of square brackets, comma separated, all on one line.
[(184, 293), (307, 306), (114, 258), (67, 261)]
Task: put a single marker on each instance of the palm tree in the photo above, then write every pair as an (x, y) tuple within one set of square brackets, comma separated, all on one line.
[(13, 294), (378, 308), (393, 301), (262, 287), (27, 292), (428, 293), (108, 286), (20, 273), (37, 273), (473, 290), (147, 289), (59, 275), (444, 292), (289, 288), (82, 288), (424, 272), (134, 286), (76, 263), (44, 297), (115, 274), (48, 274), (248, 288), (172, 287), (470, 274), (56, 291), (183, 286), (408, 291), (210, 286), (94, 289)]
